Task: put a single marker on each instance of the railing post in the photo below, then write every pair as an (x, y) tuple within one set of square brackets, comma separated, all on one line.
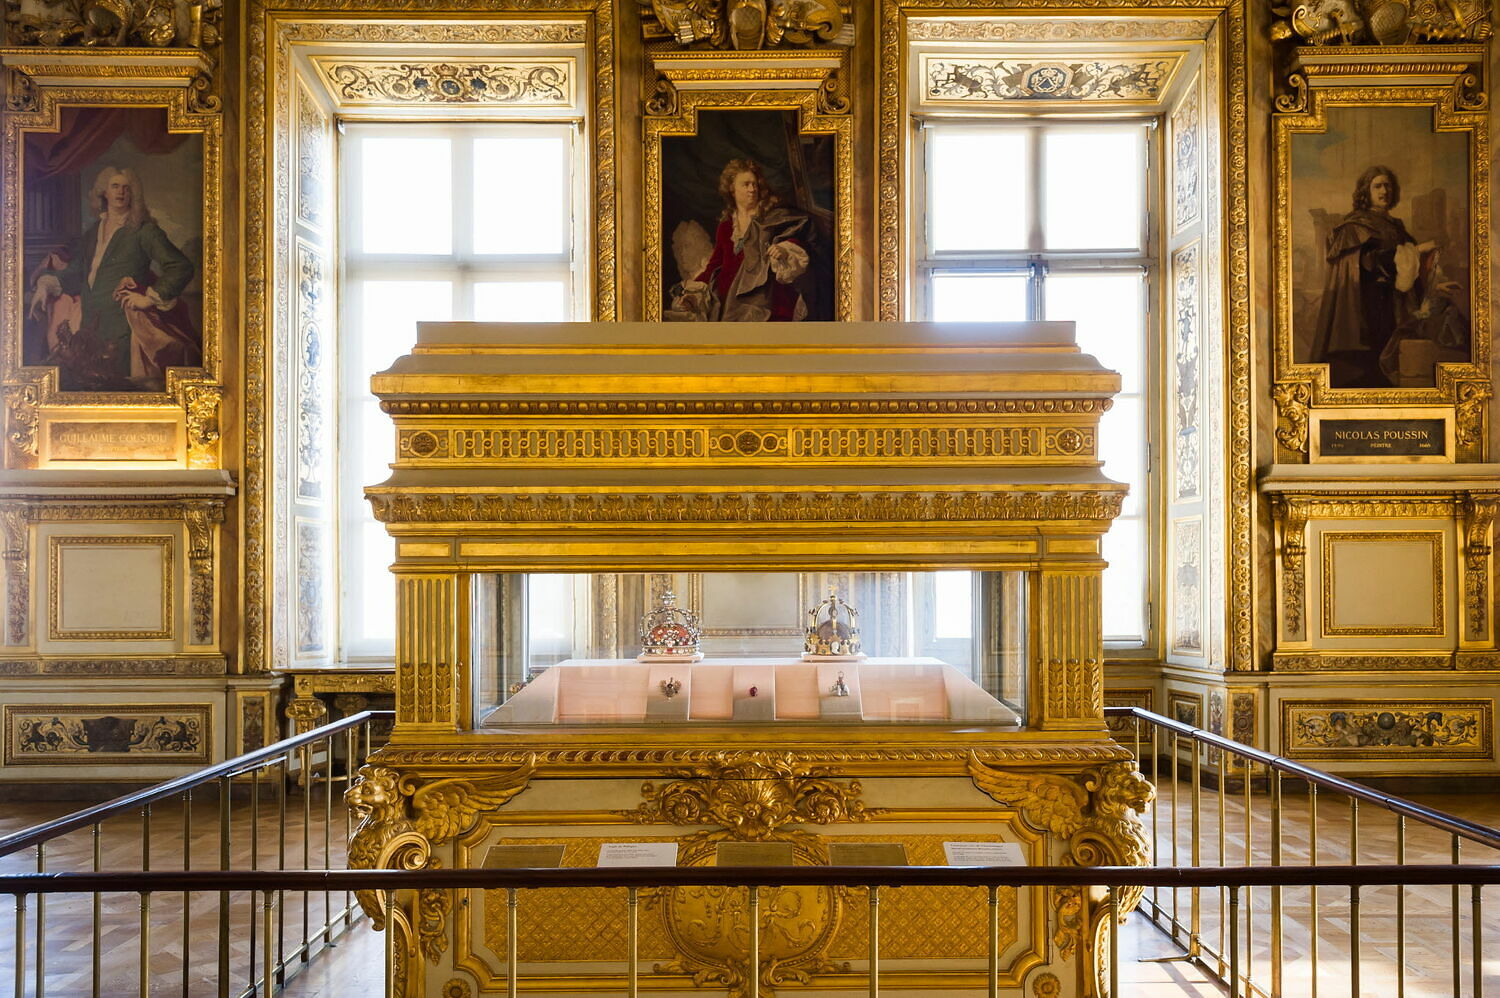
[(512, 943), (1276, 910), (1234, 942), (994, 942), (875, 940), (20, 946), (41, 925), (187, 896), (753, 971), (1400, 909), (1458, 970), (632, 940), (268, 958), (97, 915), (226, 784), (1478, 944), (1354, 940), (390, 943), (1114, 942), (144, 982)]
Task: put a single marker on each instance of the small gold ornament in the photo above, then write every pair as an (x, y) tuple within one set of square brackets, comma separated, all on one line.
[(830, 638), (670, 687), (670, 633)]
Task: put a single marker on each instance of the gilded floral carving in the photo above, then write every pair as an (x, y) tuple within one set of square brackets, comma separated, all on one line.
[(751, 795)]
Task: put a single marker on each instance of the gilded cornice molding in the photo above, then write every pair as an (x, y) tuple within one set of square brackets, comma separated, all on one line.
[(790, 507)]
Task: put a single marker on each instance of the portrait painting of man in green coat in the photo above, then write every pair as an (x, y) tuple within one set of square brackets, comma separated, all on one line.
[(114, 300)]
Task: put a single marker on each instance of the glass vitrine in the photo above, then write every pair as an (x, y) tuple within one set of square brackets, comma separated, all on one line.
[(941, 647)]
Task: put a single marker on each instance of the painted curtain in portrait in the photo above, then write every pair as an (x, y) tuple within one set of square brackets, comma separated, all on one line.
[(112, 314), (1380, 247), (797, 206)]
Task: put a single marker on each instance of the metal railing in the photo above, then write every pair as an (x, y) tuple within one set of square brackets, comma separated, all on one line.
[(324, 761), (1234, 880), (1248, 827), (1221, 894)]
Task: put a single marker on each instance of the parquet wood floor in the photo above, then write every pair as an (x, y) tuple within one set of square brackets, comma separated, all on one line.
[(68, 919), (353, 966)]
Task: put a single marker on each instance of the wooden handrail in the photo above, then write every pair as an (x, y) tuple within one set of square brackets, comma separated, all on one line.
[(1480, 834), (28, 837), (785, 876)]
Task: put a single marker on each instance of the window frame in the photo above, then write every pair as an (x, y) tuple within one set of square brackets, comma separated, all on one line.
[(464, 269), (1037, 262)]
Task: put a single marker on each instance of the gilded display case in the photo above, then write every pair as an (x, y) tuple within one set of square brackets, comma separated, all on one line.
[(638, 454)]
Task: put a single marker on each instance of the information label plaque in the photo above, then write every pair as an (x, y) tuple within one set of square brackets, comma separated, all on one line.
[(1382, 438)]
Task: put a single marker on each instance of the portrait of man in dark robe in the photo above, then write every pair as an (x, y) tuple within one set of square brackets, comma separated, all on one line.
[(1388, 313)]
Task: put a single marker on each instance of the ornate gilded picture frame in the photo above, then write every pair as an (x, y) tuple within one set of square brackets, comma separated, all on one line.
[(793, 147), (112, 268), (1382, 259)]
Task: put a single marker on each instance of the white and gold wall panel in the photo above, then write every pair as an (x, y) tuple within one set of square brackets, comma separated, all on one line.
[(108, 585), (112, 654), (1374, 582)]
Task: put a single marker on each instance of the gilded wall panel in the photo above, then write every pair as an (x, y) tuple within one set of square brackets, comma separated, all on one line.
[(96, 735), (1185, 708), (1387, 729)]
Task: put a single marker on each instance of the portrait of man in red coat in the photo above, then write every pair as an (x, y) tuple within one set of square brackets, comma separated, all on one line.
[(747, 221)]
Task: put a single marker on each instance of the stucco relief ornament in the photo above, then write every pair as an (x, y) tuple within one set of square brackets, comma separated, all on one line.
[(748, 25), (670, 633), (1381, 22), (193, 24)]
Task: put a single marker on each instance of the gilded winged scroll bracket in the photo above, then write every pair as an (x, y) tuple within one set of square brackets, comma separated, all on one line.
[(1096, 813), (401, 818)]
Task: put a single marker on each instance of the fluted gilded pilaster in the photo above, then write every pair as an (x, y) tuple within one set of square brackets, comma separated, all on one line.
[(1068, 657), (432, 651)]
